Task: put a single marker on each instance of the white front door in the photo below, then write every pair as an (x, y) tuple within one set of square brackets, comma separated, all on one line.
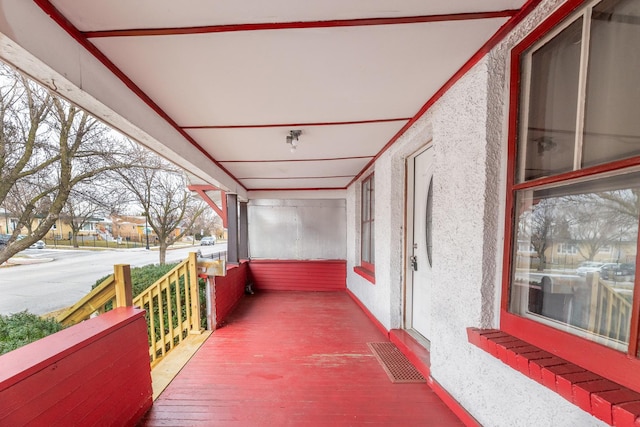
[(419, 207)]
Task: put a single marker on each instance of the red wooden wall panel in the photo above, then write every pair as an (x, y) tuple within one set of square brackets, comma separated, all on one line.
[(69, 377), (229, 290), (294, 275)]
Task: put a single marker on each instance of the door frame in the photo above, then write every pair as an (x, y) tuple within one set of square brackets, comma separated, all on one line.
[(409, 196)]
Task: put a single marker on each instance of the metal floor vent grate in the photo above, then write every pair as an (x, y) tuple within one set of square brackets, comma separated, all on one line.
[(395, 364)]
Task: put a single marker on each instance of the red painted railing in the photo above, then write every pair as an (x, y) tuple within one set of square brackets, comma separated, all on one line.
[(95, 372)]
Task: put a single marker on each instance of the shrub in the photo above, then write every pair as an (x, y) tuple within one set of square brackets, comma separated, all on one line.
[(23, 328), (143, 277)]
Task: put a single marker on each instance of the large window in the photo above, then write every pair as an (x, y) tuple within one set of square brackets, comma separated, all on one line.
[(574, 184), (367, 224)]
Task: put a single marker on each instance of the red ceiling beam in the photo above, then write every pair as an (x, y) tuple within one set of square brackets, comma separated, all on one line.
[(297, 160), (360, 22), (298, 177), (280, 125), (220, 210)]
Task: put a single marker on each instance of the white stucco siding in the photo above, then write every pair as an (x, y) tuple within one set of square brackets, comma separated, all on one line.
[(459, 138), (376, 297), (468, 130), (385, 299), (470, 145)]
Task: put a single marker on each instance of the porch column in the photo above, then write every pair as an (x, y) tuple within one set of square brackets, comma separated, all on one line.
[(232, 227), (244, 232)]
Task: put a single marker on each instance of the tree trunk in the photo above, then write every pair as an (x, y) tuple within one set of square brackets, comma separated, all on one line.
[(163, 253), (74, 240), (543, 262)]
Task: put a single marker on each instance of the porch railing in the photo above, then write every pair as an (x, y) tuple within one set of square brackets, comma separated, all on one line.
[(172, 303), (610, 312), (172, 306), (114, 291)]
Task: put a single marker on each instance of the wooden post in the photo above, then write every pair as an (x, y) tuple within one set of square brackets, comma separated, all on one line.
[(232, 227), (243, 232), (124, 288), (195, 296), (211, 303)]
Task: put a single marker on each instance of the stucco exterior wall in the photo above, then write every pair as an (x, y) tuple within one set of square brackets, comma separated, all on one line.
[(468, 130)]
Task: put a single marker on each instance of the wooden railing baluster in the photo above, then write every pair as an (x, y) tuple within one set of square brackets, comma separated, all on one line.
[(159, 297), (609, 311)]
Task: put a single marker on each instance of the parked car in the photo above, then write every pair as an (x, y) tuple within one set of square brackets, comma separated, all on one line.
[(207, 241), (588, 267), (38, 245), (4, 238), (617, 271)]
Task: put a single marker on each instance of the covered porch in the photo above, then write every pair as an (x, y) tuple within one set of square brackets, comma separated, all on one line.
[(295, 358), (380, 168)]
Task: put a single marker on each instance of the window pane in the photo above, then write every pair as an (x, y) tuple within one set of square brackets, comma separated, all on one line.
[(367, 224), (567, 281), (366, 206), (549, 140), (372, 198), (372, 252), (612, 127), (366, 241)]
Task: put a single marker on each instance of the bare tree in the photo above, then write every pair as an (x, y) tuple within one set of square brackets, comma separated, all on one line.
[(601, 219), (537, 225), (208, 223), (47, 146), (91, 199), (161, 190), (78, 212)]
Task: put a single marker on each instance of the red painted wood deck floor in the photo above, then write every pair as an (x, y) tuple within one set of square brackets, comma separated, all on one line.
[(290, 359)]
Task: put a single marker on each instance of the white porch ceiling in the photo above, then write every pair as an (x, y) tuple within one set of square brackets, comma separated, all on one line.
[(234, 77)]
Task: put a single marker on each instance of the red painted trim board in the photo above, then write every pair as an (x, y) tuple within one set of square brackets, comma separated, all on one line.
[(297, 177), (220, 210), (296, 160), (635, 315), (366, 311), (278, 125), (360, 22), (453, 404), (366, 274), (299, 189), (416, 353)]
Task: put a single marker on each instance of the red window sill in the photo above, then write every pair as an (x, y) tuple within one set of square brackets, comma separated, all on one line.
[(367, 274), (604, 399)]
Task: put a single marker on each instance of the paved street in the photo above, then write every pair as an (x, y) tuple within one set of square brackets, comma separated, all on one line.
[(45, 287)]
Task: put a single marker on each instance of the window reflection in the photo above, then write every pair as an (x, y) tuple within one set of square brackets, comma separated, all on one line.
[(574, 257), (612, 128), (551, 115)]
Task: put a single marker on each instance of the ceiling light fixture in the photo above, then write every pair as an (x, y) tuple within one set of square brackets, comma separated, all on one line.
[(292, 139)]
